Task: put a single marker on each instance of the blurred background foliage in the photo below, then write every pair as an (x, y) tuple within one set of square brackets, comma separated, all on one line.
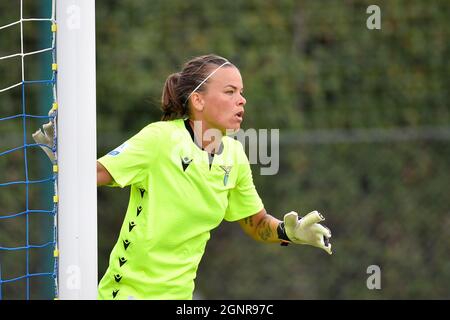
[(364, 134)]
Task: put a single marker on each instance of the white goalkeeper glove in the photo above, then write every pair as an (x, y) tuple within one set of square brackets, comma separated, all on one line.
[(306, 230), (45, 136)]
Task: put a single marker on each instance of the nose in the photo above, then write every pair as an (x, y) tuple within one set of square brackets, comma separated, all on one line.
[(242, 101)]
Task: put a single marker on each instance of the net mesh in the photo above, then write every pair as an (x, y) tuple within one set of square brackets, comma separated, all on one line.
[(28, 197)]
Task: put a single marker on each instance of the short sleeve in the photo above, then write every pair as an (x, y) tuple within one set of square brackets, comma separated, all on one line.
[(243, 199), (130, 162)]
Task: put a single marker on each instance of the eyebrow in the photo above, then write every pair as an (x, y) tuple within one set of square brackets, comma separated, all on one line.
[(234, 87)]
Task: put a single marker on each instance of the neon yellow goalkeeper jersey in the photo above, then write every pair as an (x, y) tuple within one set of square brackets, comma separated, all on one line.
[(177, 197)]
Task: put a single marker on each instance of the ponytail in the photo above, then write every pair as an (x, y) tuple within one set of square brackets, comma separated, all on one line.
[(171, 104)]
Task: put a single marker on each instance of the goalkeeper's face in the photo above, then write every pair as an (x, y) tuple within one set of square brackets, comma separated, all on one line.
[(223, 101)]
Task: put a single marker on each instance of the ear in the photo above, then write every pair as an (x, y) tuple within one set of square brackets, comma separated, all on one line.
[(197, 101)]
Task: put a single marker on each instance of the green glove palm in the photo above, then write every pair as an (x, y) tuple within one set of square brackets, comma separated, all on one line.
[(307, 230)]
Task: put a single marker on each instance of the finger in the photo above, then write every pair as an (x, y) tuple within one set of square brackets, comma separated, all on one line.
[(325, 244), (311, 218), (322, 230), (40, 137), (50, 154), (48, 129), (322, 242), (328, 249), (290, 219)]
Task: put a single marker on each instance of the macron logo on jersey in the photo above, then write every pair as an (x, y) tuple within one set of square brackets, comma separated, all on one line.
[(118, 150), (185, 161)]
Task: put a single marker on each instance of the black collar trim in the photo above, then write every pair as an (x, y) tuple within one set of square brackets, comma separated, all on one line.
[(188, 127)]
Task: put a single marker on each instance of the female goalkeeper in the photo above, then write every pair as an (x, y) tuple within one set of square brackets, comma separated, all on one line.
[(186, 176)]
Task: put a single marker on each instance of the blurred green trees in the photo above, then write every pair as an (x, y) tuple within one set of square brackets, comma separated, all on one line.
[(308, 67)]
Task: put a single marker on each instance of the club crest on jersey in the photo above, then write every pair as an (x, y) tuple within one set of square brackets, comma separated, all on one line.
[(227, 170)]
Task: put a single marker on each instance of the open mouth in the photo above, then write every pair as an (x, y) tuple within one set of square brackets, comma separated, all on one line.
[(240, 115)]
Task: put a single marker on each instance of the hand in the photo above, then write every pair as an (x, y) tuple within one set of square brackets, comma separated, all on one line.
[(45, 136), (307, 230)]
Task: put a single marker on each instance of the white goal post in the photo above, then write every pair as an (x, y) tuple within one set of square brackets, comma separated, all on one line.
[(77, 190)]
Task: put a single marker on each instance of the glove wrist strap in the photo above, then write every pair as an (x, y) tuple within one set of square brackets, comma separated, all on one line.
[(282, 234)]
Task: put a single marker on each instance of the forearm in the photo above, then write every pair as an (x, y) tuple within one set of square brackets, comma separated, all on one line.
[(262, 227)]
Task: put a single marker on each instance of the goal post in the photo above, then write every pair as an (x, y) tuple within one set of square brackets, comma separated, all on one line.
[(76, 121)]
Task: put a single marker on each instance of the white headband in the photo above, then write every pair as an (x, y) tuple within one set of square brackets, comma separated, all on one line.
[(209, 76)]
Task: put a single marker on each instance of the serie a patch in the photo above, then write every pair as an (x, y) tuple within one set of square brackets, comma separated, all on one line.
[(118, 150)]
